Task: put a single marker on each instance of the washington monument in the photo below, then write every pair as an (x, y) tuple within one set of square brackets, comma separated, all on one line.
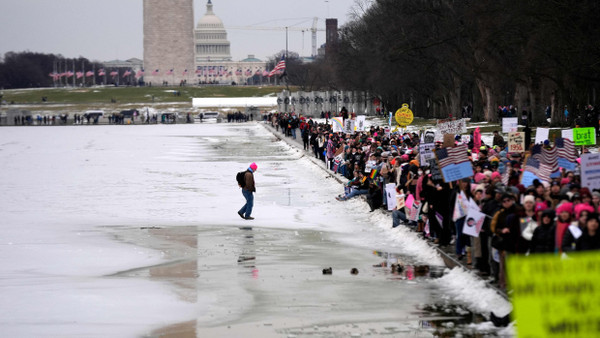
[(169, 41)]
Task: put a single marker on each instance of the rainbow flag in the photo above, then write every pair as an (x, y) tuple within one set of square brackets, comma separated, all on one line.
[(374, 173)]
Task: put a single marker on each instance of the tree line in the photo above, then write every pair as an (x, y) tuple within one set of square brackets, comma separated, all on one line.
[(440, 55), (32, 70)]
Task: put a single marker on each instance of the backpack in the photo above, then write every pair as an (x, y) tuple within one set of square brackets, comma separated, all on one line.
[(241, 178)]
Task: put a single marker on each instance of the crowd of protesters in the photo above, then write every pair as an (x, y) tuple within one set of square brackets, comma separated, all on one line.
[(557, 217)]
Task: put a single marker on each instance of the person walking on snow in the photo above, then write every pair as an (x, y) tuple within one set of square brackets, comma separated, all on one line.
[(248, 191)]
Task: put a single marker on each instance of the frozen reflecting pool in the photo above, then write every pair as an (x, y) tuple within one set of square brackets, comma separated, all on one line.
[(128, 231)]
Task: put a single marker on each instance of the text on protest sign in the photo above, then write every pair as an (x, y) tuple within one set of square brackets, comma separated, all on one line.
[(349, 126), (555, 297), (590, 171), (426, 153), (584, 136), (510, 124), (516, 142), (455, 127), (360, 122)]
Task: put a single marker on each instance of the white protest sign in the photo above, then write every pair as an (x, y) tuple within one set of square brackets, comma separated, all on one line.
[(337, 124), (390, 192), (349, 126), (426, 153), (360, 122), (590, 171), (473, 222), (516, 142), (541, 135), (413, 212), (465, 139), (455, 127), (510, 124), (567, 133)]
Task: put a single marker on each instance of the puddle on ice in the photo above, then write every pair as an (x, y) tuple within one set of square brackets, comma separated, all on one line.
[(270, 283)]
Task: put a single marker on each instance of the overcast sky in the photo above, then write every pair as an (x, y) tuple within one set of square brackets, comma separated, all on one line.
[(105, 30)]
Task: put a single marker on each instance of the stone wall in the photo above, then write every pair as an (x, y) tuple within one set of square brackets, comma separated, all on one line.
[(168, 40)]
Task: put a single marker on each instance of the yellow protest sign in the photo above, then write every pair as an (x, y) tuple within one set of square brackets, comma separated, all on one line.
[(554, 297), (404, 116)]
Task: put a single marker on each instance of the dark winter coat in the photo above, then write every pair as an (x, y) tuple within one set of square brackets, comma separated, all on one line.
[(249, 177), (587, 242), (543, 238)]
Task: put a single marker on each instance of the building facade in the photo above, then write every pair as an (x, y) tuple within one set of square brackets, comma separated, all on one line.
[(211, 38), (168, 41)]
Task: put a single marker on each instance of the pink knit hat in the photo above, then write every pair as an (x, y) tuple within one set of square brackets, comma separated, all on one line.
[(579, 208), (253, 166), (496, 174), (565, 207)]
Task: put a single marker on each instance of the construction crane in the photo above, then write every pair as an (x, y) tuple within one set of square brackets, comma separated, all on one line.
[(313, 30)]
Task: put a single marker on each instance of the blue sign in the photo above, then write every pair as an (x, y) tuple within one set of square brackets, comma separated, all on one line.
[(528, 178), (564, 163), (455, 172)]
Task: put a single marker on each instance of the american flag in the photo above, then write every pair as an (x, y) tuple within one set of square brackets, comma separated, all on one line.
[(139, 73), (170, 72), (248, 72), (156, 72), (127, 73), (69, 74), (535, 167), (185, 72), (79, 75), (101, 72), (54, 75), (280, 66), (238, 72), (456, 155), (547, 159), (114, 73), (199, 71), (89, 73), (265, 73), (566, 149)]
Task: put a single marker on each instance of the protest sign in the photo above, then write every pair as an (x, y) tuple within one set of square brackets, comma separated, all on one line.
[(426, 153), (360, 122), (455, 127), (510, 124), (584, 136), (409, 201), (434, 169), (541, 135), (567, 133), (461, 205), (555, 297), (590, 171), (448, 140), (390, 191), (404, 116), (566, 164), (473, 222), (337, 124), (349, 126), (527, 179), (413, 212), (429, 136), (476, 140), (465, 139), (516, 142), (454, 172), (400, 201)]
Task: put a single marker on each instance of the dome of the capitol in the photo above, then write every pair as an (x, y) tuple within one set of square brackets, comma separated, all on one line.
[(210, 20), (211, 38)]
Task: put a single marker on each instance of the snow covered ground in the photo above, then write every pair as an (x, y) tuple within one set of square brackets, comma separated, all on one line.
[(75, 200)]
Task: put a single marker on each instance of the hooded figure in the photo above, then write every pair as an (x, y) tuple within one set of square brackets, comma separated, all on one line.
[(544, 234), (248, 191)]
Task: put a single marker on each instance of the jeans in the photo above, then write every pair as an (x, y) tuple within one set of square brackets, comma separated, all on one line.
[(355, 192), (294, 132), (460, 238), (397, 216), (246, 210)]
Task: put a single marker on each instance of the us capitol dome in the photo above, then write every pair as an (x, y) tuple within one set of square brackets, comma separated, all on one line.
[(211, 38)]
